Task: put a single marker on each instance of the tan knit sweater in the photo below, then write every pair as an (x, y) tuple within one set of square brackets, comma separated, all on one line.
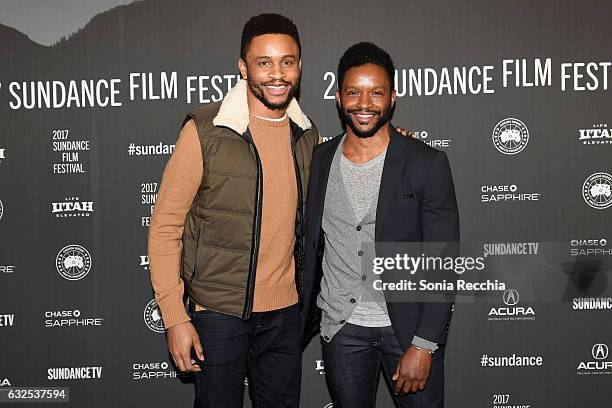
[(274, 282)]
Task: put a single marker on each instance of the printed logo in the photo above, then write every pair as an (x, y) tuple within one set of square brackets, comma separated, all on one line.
[(589, 247), (144, 262), (599, 351), (598, 134), (148, 197), (155, 371), (4, 382), (319, 367), (510, 248), (599, 365), (7, 269), (592, 303), (511, 298), (153, 317), (423, 135), (510, 136), (72, 207), (69, 153), (597, 190), (73, 262), (74, 373), (2, 155), (7, 320), (1, 209), (70, 318), (505, 193)]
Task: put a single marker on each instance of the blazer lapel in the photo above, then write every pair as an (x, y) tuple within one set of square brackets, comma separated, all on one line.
[(324, 167)]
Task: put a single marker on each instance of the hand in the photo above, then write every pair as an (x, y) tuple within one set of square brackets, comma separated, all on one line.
[(406, 132), (181, 338), (412, 371)]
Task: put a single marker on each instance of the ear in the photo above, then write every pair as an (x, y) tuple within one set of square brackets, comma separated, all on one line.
[(393, 97), (243, 68), (338, 98)]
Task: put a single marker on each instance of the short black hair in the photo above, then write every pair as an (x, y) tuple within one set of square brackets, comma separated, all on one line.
[(268, 23), (365, 53)]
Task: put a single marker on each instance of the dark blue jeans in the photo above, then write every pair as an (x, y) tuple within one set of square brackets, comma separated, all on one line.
[(267, 346), (354, 359)]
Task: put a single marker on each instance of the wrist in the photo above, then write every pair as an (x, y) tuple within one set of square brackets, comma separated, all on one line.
[(422, 349)]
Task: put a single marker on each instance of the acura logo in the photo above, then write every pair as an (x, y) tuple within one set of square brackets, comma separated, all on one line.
[(600, 351), (511, 297)]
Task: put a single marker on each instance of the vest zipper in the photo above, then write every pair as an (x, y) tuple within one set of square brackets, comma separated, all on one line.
[(248, 303), (299, 276)]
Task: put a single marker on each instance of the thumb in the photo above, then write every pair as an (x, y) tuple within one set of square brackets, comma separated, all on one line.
[(396, 374), (198, 347)]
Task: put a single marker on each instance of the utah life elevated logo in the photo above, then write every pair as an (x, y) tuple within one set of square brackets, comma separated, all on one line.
[(598, 134), (510, 136), (511, 311), (72, 207), (600, 365), (597, 190), (73, 262)]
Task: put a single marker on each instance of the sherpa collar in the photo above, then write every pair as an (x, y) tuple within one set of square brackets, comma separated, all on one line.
[(234, 111)]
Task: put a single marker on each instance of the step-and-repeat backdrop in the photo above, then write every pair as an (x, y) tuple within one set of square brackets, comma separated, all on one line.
[(517, 93)]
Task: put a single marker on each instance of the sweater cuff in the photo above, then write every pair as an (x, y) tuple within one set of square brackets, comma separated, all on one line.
[(423, 343), (173, 311)]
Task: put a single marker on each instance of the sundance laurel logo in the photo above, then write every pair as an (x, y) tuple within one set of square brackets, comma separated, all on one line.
[(153, 318), (510, 136), (597, 190), (73, 262)]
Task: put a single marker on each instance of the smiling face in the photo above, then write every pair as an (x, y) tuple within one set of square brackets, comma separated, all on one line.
[(366, 99), (272, 70)]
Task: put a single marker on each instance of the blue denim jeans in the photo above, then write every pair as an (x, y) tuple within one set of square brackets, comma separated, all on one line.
[(267, 346), (354, 359)]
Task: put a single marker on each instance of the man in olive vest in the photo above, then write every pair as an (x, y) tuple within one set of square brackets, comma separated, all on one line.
[(228, 229)]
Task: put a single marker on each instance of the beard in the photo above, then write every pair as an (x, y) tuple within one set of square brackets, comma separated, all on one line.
[(381, 118), (257, 89)]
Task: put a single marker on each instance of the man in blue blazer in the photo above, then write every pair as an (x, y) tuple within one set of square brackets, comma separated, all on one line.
[(373, 185)]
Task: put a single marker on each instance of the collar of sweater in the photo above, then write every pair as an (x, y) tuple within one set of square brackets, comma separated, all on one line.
[(234, 111)]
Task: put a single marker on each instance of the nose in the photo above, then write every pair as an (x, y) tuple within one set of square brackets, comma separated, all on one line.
[(276, 72), (364, 102)]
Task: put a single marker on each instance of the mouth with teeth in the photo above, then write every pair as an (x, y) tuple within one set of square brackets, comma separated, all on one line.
[(277, 89), (363, 117)]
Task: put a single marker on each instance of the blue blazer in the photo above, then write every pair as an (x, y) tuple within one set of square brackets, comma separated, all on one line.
[(416, 203)]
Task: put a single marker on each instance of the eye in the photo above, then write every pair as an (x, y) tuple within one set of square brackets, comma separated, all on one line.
[(377, 93), (264, 63), (351, 93), (288, 63)]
